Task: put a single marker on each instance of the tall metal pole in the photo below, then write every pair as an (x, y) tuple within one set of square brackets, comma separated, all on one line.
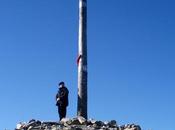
[(82, 60)]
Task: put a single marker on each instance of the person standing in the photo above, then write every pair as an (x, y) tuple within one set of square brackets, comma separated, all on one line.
[(62, 100)]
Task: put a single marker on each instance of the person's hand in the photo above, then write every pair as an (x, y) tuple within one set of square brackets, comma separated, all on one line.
[(58, 99), (57, 102)]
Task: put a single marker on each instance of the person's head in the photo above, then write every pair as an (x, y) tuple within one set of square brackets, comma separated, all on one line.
[(61, 84)]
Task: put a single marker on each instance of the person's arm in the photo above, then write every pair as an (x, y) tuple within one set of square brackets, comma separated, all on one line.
[(57, 97)]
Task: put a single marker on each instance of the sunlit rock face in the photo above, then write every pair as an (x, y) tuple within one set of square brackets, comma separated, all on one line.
[(78, 123)]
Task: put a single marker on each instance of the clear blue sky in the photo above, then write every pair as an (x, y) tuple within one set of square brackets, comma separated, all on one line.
[(131, 60)]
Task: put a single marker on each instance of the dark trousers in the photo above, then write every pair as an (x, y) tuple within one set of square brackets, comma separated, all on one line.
[(62, 111)]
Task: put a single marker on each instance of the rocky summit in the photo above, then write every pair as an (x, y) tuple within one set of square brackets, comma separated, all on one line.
[(78, 123)]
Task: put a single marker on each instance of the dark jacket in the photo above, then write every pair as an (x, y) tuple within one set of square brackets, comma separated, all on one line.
[(63, 97)]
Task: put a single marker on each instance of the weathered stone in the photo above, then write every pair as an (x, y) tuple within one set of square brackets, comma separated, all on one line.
[(78, 123), (75, 121), (92, 121), (99, 123), (55, 128), (82, 120), (50, 123), (106, 123), (95, 126), (112, 124), (66, 121), (89, 123), (138, 127), (132, 127), (78, 129), (20, 125), (66, 128)]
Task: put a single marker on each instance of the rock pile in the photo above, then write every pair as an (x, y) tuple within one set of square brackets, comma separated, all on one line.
[(78, 123)]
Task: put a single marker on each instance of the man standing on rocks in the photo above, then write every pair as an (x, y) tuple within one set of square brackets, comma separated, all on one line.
[(62, 100)]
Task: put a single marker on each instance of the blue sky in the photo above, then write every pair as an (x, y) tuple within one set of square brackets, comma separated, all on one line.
[(130, 60)]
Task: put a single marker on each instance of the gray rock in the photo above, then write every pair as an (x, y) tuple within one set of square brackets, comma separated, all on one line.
[(78, 128), (75, 121), (138, 127), (89, 123), (132, 127), (112, 124), (95, 126), (92, 121), (20, 125), (66, 122), (66, 128), (106, 123), (99, 123), (78, 123), (82, 120)]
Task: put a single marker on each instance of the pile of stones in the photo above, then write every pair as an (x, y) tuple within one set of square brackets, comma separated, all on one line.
[(78, 123)]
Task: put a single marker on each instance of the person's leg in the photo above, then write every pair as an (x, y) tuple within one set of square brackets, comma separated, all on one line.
[(60, 112), (64, 112)]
